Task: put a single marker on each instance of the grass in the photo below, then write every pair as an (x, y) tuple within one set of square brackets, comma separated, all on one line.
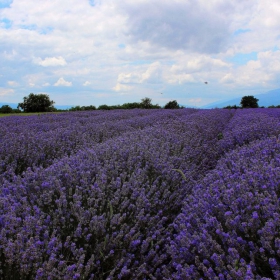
[(26, 114)]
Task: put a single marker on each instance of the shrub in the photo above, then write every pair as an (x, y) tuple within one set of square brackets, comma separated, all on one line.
[(172, 105), (6, 109)]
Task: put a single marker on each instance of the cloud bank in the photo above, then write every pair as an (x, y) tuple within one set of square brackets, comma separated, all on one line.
[(50, 61), (62, 82), (79, 52)]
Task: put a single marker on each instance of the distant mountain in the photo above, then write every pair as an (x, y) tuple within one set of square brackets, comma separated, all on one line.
[(187, 106), (269, 98), (14, 105)]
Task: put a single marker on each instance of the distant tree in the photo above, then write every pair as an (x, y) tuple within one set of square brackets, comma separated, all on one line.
[(273, 106), (155, 106), (115, 107), (104, 107), (172, 105), (37, 103), (76, 108), (6, 109), (249, 102), (83, 108), (89, 108), (146, 103), (133, 105), (231, 107)]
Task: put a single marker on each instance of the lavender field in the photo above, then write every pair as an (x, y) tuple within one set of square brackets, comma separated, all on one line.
[(141, 194)]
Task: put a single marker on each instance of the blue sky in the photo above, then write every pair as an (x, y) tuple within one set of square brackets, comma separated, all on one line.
[(116, 51)]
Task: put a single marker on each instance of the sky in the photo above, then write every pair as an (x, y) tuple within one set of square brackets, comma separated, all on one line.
[(94, 52)]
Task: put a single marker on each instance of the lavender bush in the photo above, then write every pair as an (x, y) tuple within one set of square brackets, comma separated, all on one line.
[(39, 140), (229, 225), (140, 194)]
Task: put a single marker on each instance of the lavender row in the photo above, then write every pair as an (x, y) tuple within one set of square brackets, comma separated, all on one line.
[(250, 125), (229, 226), (39, 140), (107, 212), (141, 205)]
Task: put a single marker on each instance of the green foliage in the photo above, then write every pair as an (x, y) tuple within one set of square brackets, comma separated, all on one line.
[(181, 172), (90, 108), (133, 105), (172, 105), (83, 108), (6, 109), (104, 107), (76, 108), (156, 106), (220, 136), (249, 101), (114, 107), (231, 107), (146, 103), (37, 103)]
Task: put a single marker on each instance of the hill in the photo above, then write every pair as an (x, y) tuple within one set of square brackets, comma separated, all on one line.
[(269, 98)]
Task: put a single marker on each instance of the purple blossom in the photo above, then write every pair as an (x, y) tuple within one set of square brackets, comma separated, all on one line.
[(98, 195)]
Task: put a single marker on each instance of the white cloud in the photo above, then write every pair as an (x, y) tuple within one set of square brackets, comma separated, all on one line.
[(132, 77), (46, 84), (121, 87), (199, 68), (6, 91), (62, 82), (180, 79), (10, 54), (50, 61), (198, 63), (196, 26), (227, 78), (264, 71), (12, 83), (151, 73), (87, 83)]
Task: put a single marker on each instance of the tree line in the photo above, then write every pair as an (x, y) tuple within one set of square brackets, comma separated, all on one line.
[(35, 103), (249, 101)]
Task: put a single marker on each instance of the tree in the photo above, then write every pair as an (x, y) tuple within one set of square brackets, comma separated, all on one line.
[(89, 108), (36, 103), (249, 102), (6, 109), (133, 105), (172, 105), (146, 103), (76, 108), (83, 108), (104, 107), (231, 107)]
